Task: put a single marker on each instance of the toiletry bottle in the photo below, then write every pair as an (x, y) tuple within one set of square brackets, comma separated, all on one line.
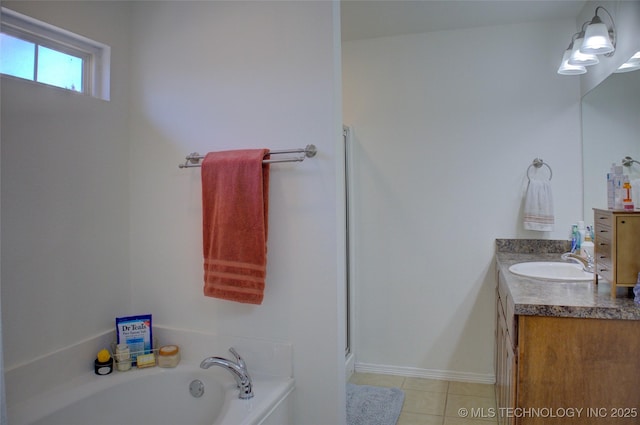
[(574, 238), (627, 202), (581, 232), (586, 249), (611, 187), (619, 192)]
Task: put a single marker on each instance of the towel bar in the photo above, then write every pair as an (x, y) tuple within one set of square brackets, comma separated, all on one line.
[(193, 159), (537, 163)]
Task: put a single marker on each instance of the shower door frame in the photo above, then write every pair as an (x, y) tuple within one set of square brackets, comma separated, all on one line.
[(347, 133)]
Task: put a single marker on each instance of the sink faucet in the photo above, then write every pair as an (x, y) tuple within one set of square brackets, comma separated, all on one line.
[(587, 263), (238, 369)]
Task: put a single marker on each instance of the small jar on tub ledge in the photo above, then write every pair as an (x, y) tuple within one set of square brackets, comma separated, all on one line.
[(123, 357), (168, 356), (103, 365)]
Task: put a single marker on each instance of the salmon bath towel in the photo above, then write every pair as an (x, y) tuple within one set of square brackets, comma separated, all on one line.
[(235, 201)]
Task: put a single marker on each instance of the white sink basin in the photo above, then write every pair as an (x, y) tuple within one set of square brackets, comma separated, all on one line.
[(549, 270)]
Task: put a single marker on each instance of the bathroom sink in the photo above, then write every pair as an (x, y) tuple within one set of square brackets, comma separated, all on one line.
[(550, 270)]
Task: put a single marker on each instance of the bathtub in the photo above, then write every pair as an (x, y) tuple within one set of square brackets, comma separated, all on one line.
[(158, 396)]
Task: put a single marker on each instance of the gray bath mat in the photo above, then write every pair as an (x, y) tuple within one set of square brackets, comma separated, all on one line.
[(367, 405)]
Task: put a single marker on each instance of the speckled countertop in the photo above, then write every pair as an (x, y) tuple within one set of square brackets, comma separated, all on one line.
[(534, 297)]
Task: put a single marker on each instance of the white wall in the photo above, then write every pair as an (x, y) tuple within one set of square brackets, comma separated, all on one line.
[(445, 126), (98, 221), (65, 197), (242, 75)]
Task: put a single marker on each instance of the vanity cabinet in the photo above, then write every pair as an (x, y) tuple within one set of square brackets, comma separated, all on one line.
[(617, 247), (565, 370)]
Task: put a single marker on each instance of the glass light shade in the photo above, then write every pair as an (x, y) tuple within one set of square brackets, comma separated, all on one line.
[(597, 40), (568, 69), (627, 67), (633, 64), (579, 58)]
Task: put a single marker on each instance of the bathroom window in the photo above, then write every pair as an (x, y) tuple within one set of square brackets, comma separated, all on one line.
[(36, 51)]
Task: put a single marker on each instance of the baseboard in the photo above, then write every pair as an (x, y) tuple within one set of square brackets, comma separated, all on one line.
[(413, 372)]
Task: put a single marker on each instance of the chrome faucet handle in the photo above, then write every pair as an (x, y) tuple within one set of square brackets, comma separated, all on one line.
[(590, 258), (239, 359), (238, 371)]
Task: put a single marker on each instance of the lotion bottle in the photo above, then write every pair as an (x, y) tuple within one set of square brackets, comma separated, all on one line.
[(586, 249)]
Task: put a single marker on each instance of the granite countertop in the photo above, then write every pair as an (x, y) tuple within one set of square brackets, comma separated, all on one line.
[(535, 297)]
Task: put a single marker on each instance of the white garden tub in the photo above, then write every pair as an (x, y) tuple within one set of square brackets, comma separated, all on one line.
[(160, 397)]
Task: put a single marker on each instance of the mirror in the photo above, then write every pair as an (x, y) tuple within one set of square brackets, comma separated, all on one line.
[(610, 132)]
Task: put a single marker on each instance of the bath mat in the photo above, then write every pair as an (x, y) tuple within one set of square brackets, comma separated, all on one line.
[(368, 405)]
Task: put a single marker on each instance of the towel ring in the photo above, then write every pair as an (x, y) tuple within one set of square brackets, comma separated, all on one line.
[(537, 163)]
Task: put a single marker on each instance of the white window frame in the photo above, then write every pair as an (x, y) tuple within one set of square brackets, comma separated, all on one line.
[(96, 55)]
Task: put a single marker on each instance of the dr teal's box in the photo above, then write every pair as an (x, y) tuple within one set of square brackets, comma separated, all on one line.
[(136, 332)]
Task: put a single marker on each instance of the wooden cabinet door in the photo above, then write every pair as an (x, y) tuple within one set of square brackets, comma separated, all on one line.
[(627, 249), (589, 364)]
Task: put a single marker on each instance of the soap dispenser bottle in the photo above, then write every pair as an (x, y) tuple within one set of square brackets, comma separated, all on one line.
[(586, 249)]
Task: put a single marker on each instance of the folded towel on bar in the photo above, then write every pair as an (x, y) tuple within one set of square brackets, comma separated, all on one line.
[(235, 201), (538, 206)]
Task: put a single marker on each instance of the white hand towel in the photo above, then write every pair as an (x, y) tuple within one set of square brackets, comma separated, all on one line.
[(538, 206)]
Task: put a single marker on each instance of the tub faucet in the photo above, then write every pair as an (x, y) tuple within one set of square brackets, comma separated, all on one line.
[(587, 263), (238, 369)]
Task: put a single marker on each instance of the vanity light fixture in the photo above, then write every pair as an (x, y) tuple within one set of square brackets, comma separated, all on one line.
[(595, 38), (579, 58), (633, 64), (566, 68), (598, 38)]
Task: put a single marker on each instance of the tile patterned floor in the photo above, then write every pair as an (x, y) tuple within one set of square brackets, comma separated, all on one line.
[(434, 402)]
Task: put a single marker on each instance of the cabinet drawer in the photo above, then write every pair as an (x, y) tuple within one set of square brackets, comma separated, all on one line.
[(603, 232), (605, 270), (604, 261), (602, 249), (602, 219)]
